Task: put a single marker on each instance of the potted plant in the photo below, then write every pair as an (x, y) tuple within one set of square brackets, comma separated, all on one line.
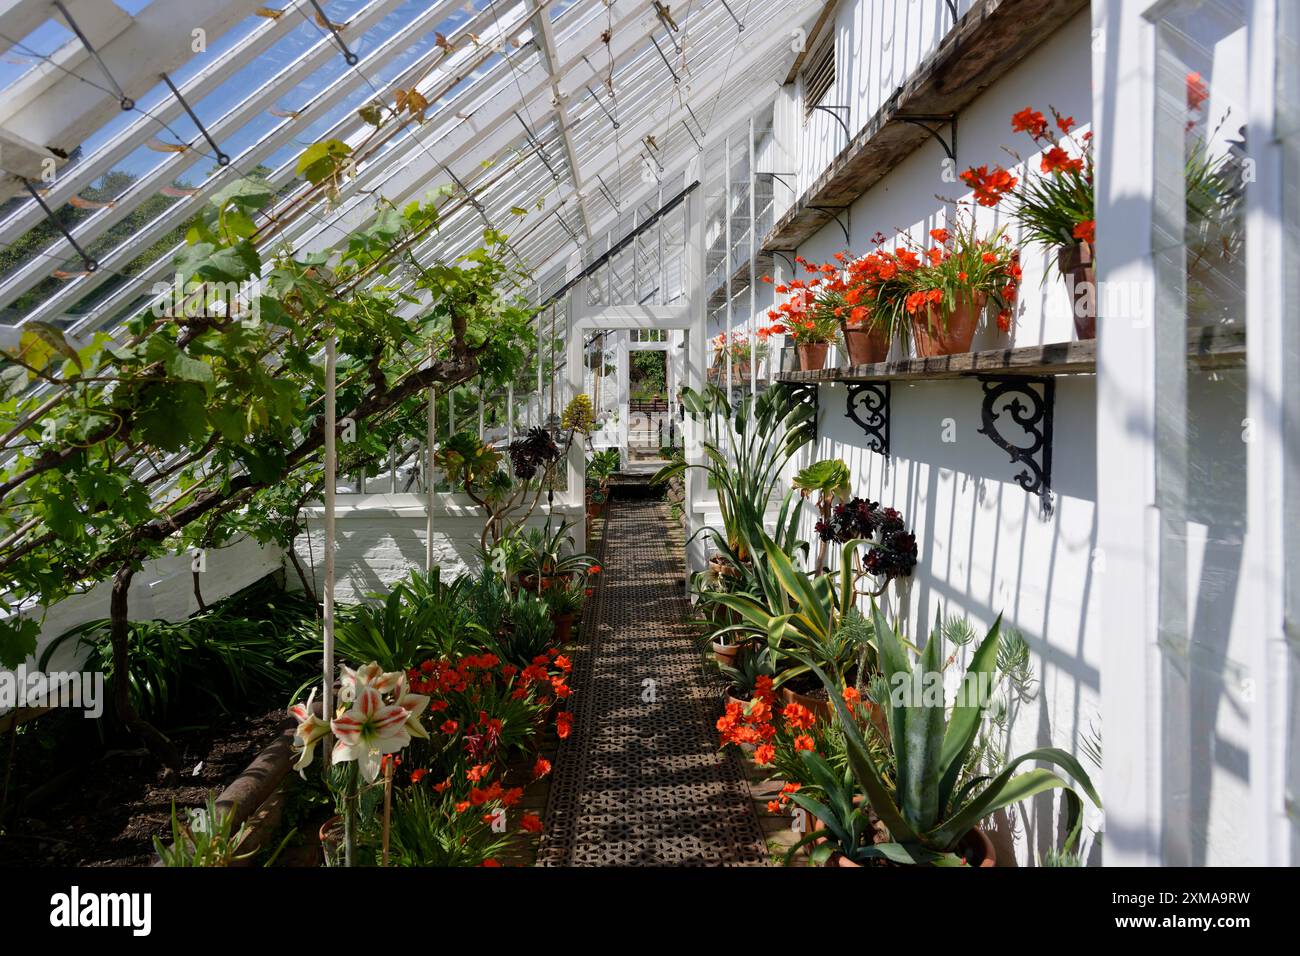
[(1053, 207), (931, 805), (547, 559), (948, 293), (842, 291), (601, 468), (566, 604), (810, 322)]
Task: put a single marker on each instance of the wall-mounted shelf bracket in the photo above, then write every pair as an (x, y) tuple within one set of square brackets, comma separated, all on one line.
[(933, 124), (834, 212), (868, 407), (1030, 404)]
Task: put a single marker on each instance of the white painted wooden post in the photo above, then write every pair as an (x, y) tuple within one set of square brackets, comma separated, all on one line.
[(331, 478), (430, 475)]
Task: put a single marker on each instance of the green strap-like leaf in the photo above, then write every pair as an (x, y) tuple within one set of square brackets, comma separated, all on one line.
[(964, 721), (996, 795)]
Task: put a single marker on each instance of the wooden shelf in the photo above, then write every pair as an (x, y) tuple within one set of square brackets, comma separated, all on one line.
[(985, 44), (1210, 347)]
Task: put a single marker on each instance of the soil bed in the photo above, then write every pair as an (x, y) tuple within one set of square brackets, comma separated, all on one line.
[(90, 806)]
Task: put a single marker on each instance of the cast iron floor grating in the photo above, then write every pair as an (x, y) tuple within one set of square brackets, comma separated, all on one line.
[(640, 781)]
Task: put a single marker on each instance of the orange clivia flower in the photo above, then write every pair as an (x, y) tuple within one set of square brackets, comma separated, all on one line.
[(804, 742), (798, 716), (764, 754), (1086, 230)]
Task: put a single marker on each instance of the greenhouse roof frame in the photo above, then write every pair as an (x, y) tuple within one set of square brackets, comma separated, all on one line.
[(530, 100)]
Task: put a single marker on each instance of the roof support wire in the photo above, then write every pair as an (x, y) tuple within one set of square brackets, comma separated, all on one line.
[(740, 25), (696, 139), (90, 264), (603, 107), (572, 235), (350, 58), (223, 158), (676, 79), (537, 145), (123, 100), (605, 188), (703, 131)]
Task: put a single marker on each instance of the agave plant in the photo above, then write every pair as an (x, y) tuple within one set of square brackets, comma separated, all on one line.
[(928, 809)]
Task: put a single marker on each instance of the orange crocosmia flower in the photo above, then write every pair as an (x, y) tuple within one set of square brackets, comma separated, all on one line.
[(791, 788), (449, 727), (563, 663), (773, 806), (1197, 91), (858, 315), (531, 822), (594, 569), (989, 258), (764, 754), (462, 806), (851, 697), (418, 775), (1009, 293), (939, 235), (935, 255), (804, 742), (541, 768), (442, 787), (1066, 123), (478, 772), (1086, 230), (1029, 121), (934, 296), (1057, 159), (962, 276), (512, 796), (489, 862), (563, 724), (1004, 321)]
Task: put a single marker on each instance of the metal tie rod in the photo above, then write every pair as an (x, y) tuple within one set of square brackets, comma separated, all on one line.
[(123, 100), (223, 158), (350, 58), (90, 264), (602, 106)]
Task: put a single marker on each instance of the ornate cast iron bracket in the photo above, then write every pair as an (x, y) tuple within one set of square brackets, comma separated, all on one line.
[(1034, 417), (804, 393), (835, 214), (932, 125), (868, 407)]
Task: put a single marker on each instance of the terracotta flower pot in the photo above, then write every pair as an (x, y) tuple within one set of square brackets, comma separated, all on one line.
[(867, 344), (934, 333), (820, 708), (726, 654), (812, 355), (1080, 271), (975, 846), (563, 628)]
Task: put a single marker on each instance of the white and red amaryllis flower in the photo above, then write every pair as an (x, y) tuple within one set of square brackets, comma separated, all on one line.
[(414, 705), (310, 730), (368, 730), (369, 675)]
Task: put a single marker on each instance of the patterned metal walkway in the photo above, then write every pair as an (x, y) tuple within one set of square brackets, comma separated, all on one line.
[(640, 781)]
